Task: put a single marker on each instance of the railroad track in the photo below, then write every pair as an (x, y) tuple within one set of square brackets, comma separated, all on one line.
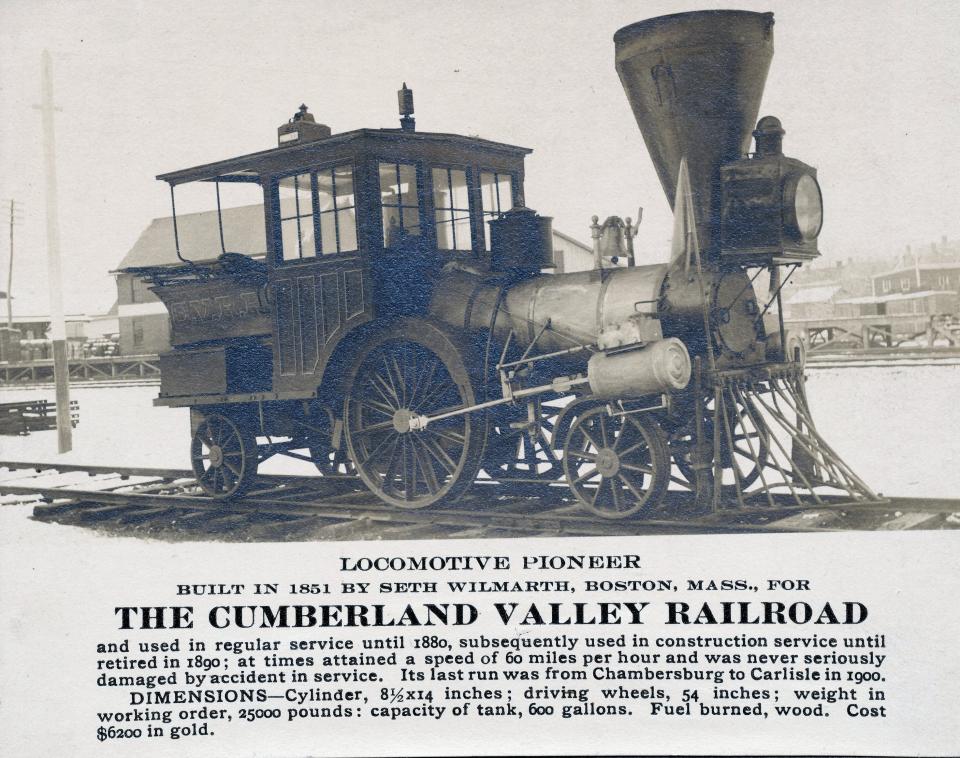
[(166, 504)]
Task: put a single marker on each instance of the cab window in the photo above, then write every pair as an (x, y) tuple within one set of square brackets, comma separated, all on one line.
[(337, 210), (451, 205), (399, 201), (318, 213), (296, 217), (496, 196)]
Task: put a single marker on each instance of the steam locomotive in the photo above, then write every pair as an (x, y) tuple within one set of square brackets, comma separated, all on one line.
[(405, 326)]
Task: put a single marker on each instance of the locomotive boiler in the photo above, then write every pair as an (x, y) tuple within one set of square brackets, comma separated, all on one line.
[(405, 325)]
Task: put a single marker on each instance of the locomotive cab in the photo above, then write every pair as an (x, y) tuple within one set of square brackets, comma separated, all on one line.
[(358, 225)]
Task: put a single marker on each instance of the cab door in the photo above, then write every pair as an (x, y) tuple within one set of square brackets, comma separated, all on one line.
[(318, 280)]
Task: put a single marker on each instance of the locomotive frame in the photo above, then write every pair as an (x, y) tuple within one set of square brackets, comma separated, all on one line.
[(404, 326)]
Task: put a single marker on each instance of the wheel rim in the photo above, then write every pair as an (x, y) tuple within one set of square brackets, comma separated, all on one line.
[(222, 455), (410, 468), (614, 464)]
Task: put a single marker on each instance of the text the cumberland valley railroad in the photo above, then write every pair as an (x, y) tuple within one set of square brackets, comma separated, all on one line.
[(435, 638)]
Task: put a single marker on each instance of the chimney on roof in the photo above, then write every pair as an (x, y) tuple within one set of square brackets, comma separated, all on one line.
[(302, 127)]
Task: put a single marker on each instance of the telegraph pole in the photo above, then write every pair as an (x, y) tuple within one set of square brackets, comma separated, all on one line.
[(13, 220), (58, 329)]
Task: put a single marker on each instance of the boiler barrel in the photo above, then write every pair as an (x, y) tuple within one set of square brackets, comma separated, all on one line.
[(579, 307)]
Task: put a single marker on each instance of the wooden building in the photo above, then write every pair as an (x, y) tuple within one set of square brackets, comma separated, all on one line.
[(144, 325)]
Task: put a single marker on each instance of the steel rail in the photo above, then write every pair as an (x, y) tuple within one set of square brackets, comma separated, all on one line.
[(340, 504)]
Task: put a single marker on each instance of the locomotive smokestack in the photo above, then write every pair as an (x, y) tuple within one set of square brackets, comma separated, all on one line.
[(694, 82)]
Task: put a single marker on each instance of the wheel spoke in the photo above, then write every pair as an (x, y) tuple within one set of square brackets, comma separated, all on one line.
[(615, 492), (374, 428), (596, 493), (429, 472), (435, 393), (630, 487), (372, 381), (635, 467), (448, 435), (377, 407), (389, 378), (386, 390), (589, 475), (590, 439), (409, 483), (380, 446), (401, 379), (439, 454), (627, 451), (391, 461), (423, 381)]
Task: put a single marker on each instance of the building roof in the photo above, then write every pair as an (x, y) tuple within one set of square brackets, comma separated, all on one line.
[(821, 293), (199, 233), (895, 296), (909, 269), (44, 318), (570, 240)]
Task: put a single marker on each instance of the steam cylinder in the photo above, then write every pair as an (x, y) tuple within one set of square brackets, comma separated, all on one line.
[(661, 366)]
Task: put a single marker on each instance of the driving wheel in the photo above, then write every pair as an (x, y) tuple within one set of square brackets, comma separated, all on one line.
[(402, 373)]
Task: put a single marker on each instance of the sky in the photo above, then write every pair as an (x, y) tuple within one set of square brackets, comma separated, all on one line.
[(867, 93)]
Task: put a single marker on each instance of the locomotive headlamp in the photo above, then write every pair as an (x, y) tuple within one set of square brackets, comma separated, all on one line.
[(803, 206), (771, 208)]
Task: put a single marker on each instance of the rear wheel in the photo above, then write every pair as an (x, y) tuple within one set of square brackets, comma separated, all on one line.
[(396, 376), (224, 457)]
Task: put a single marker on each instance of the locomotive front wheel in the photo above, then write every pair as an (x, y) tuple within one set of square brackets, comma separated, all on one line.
[(223, 454), (395, 377), (615, 465), (749, 453)]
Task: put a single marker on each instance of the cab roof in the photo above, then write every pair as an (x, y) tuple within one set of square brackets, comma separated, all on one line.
[(388, 142)]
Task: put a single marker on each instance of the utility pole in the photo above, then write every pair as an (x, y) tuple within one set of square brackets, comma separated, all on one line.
[(58, 329), (14, 217)]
